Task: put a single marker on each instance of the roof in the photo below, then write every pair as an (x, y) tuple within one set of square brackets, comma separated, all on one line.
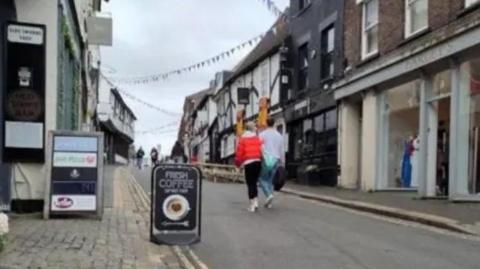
[(196, 98), (272, 40), (188, 108), (120, 98)]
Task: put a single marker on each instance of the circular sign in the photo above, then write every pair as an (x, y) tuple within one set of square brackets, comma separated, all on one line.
[(24, 105), (176, 207)]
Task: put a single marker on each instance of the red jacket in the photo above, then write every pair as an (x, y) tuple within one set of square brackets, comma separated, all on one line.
[(249, 147)]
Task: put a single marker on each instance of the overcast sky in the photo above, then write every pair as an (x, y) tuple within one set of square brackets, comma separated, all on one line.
[(156, 36)]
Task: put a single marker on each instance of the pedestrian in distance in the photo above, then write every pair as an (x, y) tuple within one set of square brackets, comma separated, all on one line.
[(273, 153), (249, 155), (154, 156), (140, 154)]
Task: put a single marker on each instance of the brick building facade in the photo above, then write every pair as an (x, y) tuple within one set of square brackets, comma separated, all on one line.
[(408, 103)]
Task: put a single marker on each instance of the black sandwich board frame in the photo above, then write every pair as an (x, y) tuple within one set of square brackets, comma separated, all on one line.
[(175, 236)]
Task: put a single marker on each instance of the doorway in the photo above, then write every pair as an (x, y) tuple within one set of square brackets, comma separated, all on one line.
[(438, 136)]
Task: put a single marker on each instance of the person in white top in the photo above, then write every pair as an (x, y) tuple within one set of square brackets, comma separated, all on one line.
[(273, 145)]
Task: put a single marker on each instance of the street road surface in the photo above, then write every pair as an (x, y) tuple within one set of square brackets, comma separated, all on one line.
[(301, 234)]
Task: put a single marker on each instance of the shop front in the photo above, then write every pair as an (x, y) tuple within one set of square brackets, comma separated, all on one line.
[(312, 151), (417, 123)]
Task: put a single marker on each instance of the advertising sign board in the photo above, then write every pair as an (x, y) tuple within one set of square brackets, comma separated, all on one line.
[(176, 204), (75, 173)]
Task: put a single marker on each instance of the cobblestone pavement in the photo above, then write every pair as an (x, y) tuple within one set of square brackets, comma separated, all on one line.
[(119, 240)]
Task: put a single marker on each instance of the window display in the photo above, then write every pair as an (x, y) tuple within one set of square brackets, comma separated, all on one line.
[(402, 122), (474, 132)]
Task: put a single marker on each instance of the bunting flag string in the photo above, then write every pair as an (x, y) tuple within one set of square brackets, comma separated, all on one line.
[(196, 66), (160, 128), (140, 101), (272, 7)]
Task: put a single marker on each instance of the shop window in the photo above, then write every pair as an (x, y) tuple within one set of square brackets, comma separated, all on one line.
[(319, 124), (416, 16), (331, 120), (469, 3), (441, 84), (472, 71), (303, 63), (328, 47), (369, 28), (308, 136), (401, 121), (297, 140)]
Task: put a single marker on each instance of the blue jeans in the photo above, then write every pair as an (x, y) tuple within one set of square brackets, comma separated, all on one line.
[(266, 179)]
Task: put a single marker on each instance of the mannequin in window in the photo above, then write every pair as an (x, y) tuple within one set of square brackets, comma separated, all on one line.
[(406, 163), (414, 160)]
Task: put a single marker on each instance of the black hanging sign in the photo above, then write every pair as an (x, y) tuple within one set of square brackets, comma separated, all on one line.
[(243, 96), (24, 93), (176, 205)]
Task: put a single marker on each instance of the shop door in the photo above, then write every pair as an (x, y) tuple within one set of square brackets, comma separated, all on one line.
[(438, 146), (438, 109)]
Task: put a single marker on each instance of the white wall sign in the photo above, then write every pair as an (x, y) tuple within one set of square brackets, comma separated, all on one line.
[(23, 135), (25, 34)]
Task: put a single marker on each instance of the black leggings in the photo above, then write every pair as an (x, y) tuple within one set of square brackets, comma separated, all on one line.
[(252, 172)]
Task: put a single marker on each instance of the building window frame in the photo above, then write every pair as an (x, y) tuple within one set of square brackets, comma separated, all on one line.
[(303, 64), (366, 29), (327, 68), (409, 5)]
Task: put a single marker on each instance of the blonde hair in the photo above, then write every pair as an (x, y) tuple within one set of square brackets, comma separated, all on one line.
[(250, 126)]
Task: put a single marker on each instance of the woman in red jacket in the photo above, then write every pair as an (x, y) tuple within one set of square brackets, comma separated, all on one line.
[(249, 155)]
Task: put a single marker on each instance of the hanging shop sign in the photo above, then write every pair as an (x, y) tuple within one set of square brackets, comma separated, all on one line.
[(176, 205), (75, 173), (24, 93), (243, 96)]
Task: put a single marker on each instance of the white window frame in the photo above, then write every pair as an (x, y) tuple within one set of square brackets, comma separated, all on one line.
[(366, 54), (469, 3), (408, 18)]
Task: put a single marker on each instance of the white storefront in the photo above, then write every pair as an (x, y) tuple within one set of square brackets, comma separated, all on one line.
[(412, 120)]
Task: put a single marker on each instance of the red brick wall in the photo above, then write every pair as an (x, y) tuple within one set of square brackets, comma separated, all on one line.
[(352, 28), (392, 24)]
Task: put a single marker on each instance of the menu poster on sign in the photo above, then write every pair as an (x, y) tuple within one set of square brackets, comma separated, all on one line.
[(74, 174), (24, 93)]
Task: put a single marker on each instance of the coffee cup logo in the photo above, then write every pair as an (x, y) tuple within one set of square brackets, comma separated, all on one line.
[(176, 207)]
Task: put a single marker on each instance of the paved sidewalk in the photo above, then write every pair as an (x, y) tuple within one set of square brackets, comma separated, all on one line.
[(120, 240), (463, 215)]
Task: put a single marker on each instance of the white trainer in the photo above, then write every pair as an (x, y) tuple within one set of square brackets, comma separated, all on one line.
[(269, 201), (253, 205)]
